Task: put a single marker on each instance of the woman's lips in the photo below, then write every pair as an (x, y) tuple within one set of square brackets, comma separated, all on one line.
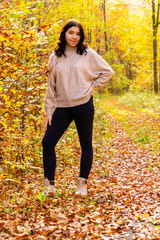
[(73, 41)]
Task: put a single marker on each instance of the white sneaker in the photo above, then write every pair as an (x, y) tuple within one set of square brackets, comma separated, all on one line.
[(82, 187), (48, 189)]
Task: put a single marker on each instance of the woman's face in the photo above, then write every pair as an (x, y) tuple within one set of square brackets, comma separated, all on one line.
[(72, 36)]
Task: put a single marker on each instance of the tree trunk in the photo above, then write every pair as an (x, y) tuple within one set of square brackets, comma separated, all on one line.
[(155, 63), (105, 27), (155, 23)]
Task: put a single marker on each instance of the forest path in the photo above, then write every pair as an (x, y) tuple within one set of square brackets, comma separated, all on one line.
[(134, 184)]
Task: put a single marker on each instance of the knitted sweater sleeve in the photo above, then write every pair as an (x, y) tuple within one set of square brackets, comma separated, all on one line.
[(100, 71), (50, 95)]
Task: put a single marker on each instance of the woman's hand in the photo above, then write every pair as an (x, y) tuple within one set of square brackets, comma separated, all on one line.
[(91, 93), (48, 121)]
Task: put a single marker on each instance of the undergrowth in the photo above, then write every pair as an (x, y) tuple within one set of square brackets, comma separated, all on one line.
[(138, 114)]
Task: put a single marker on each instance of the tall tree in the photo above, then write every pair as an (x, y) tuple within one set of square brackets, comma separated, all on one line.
[(155, 23), (105, 27)]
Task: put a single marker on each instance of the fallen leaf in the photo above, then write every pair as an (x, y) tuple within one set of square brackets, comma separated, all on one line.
[(58, 216)]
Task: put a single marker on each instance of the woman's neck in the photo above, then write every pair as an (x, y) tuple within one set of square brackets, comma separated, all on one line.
[(70, 50)]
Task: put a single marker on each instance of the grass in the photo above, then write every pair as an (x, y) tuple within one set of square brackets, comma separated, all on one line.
[(144, 102), (138, 114)]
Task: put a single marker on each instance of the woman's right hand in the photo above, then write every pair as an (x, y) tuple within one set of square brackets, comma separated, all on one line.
[(91, 93), (48, 121)]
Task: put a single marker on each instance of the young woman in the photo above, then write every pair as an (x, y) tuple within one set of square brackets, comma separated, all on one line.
[(74, 71)]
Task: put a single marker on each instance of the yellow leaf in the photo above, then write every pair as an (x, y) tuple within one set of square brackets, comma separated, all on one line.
[(25, 140), (2, 38), (14, 91), (13, 166), (118, 222)]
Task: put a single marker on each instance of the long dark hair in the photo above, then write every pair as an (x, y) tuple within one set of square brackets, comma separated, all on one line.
[(81, 47)]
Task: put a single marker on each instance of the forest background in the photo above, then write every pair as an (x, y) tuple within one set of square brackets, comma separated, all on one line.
[(126, 127)]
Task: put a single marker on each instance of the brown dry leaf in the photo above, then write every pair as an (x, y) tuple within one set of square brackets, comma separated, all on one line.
[(95, 235), (22, 236), (12, 225), (47, 230), (58, 233), (40, 238), (2, 224), (126, 187), (58, 216)]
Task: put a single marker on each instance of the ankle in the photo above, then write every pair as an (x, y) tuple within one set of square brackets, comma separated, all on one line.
[(48, 182), (51, 182), (84, 180)]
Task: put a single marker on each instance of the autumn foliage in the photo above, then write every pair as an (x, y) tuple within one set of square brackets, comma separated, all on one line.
[(124, 184)]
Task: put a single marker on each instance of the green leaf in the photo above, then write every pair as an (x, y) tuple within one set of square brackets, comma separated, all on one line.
[(26, 12), (41, 4), (41, 197), (50, 38)]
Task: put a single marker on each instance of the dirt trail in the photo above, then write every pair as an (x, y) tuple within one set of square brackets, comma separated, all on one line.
[(134, 188)]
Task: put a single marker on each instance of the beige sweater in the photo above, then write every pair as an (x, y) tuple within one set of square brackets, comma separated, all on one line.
[(72, 78)]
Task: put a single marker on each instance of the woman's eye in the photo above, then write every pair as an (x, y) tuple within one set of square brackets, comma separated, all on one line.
[(73, 33)]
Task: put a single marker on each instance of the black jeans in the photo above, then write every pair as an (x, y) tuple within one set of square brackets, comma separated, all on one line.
[(62, 117)]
